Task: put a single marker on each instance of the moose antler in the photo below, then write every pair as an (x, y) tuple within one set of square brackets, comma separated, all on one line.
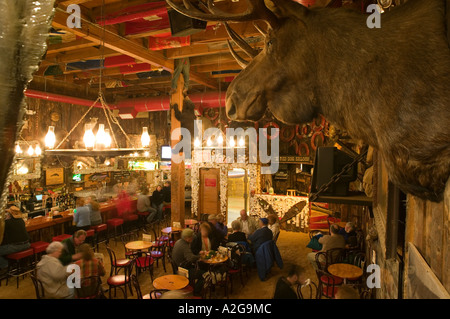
[(256, 11)]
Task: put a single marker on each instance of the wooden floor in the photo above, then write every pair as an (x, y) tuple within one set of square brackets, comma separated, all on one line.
[(292, 247)]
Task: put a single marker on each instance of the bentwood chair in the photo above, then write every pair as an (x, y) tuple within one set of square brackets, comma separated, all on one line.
[(328, 285), (218, 278), (137, 287), (308, 290), (117, 264), (235, 264), (158, 252), (90, 288), (38, 287), (121, 281)]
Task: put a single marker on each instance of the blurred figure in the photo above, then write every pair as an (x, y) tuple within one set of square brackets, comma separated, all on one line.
[(167, 192), (261, 235), (95, 216), (220, 226), (89, 266), (53, 275), (144, 205), (82, 216), (274, 226), (173, 294), (123, 204), (205, 241), (286, 286), (71, 245)]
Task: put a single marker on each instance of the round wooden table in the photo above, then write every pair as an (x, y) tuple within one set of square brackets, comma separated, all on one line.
[(345, 271), (170, 282), (138, 245), (169, 230), (214, 260)]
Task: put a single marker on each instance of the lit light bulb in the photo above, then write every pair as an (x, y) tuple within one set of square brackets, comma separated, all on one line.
[(18, 149), (135, 154), (38, 150), (232, 142), (50, 138), (100, 138), (145, 138), (220, 139), (242, 142), (197, 142), (23, 170), (30, 151), (146, 154), (107, 139), (209, 142), (107, 162), (89, 137)]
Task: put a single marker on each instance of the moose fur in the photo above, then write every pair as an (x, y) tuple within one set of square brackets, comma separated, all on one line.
[(389, 87)]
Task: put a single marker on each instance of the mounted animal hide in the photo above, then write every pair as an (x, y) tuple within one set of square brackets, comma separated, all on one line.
[(23, 33), (387, 86), (187, 117)]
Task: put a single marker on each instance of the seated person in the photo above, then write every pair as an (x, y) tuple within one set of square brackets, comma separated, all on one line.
[(183, 256), (167, 193), (215, 232), (328, 242), (349, 234), (248, 224), (82, 217), (15, 237), (144, 205), (71, 245), (286, 286), (220, 226), (205, 240), (89, 266), (53, 274), (261, 235), (95, 214), (237, 235), (157, 200), (274, 226)]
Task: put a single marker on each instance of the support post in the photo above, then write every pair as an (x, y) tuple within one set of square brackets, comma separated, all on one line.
[(177, 169)]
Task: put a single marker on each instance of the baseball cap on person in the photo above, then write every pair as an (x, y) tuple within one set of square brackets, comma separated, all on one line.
[(265, 221)]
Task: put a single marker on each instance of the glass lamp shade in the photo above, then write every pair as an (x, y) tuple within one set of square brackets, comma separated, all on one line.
[(242, 142), (107, 139), (50, 138), (89, 137), (100, 138), (197, 142), (18, 149), (30, 151), (145, 138), (38, 150), (220, 139), (232, 142), (209, 142)]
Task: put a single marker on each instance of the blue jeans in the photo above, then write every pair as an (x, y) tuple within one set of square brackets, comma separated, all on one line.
[(159, 210), (152, 215), (10, 249)]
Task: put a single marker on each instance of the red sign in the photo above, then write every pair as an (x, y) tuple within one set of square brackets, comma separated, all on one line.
[(210, 182)]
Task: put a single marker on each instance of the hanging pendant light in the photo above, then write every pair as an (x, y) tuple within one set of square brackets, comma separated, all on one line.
[(209, 142), (220, 139), (50, 138), (89, 137), (242, 142), (107, 139), (145, 138), (197, 143), (232, 142)]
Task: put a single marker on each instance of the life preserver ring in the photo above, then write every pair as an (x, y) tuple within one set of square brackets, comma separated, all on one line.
[(318, 128), (302, 132), (287, 133), (300, 147), (313, 140), (212, 116), (274, 125)]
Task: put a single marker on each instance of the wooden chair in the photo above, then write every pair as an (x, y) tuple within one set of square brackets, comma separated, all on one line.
[(90, 288), (235, 264), (158, 252), (310, 287), (143, 263), (218, 278), (38, 287), (117, 264), (126, 238), (137, 287), (328, 285), (121, 281)]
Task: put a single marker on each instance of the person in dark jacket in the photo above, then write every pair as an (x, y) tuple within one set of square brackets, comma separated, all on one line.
[(285, 288), (237, 235), (70, 252), (349, 234), (15, 236), (205, 240), (158, 201), (167, 193), (261, 235)]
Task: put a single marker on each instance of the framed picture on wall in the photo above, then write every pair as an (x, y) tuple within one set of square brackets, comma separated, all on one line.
[(54, 176)]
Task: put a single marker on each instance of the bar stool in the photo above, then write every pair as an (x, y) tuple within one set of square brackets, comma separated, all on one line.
[(90, 236), (61, 237), (39, 248), (114, 223), (129, 220), (18, 258), (100, 229), (142, 218)]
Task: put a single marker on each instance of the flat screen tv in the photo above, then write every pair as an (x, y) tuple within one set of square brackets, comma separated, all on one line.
[(166, 153), (39, 198), (328, 162)]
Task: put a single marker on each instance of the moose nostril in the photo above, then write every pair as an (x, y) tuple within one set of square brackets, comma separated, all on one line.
[(232, 112)]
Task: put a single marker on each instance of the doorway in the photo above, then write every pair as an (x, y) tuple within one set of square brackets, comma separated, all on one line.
[(238, 191), (209, 202)]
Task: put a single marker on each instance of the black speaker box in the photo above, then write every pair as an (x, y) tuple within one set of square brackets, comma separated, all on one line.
[(181, 25)]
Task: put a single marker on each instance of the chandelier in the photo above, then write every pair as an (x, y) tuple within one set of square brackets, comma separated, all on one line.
[(100, 143)]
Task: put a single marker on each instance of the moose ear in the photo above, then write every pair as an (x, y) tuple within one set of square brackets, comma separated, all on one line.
[(286, 8)]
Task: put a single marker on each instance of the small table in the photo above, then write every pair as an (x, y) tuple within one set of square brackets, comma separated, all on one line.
[(138, 245), (345, 271), (214, 260), (170, 282), (169, 230)]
